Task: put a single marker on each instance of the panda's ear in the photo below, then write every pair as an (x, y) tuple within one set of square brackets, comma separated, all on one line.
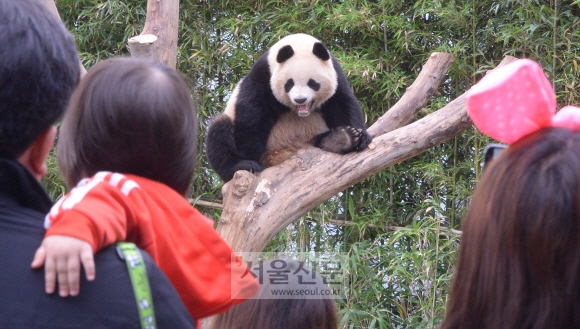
[(320, 51), (284, 54)]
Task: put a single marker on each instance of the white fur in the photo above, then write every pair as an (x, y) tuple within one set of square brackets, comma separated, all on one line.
[(301, 67), (231, 105)]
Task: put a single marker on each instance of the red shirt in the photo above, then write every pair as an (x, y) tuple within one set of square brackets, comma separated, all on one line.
[(112, 207)]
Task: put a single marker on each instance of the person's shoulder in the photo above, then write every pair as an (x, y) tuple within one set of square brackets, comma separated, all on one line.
[(170, 312), (169, 308)]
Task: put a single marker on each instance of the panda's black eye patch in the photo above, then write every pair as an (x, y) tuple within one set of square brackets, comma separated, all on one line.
[(289, 84), (314, 85)]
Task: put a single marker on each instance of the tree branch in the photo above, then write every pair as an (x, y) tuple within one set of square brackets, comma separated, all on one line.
[(416, 96), (256, 208), (333, 221)]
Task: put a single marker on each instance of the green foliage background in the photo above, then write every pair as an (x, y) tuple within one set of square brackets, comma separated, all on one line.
[(399, 227)]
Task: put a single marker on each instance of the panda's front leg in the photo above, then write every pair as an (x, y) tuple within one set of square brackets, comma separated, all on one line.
[(343, 139), (249, 165), (222, 151)]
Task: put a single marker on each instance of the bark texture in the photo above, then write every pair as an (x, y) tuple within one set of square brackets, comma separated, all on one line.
[(257, 207), (158, 40)]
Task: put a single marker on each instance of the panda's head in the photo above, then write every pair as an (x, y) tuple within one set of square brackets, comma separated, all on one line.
[(303, 77)]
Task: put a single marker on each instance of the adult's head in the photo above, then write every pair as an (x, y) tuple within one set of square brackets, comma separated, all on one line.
[(39, 70), (519, 261), (131, 116), (267, 311)]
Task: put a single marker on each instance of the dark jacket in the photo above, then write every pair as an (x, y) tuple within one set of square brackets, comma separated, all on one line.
[(107, 302)]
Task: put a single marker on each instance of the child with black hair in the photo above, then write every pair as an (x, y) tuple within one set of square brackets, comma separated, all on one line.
[(131, 128), (268, 310)]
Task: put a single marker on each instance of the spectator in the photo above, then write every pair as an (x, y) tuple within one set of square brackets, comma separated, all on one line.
[(129, 137), (519, 260), (39, 70), (267, 311)]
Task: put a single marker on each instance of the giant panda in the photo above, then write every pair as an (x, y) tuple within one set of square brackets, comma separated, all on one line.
[(295, 94)]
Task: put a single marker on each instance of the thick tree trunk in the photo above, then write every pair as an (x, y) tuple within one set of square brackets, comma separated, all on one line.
[(257, 207), (158, 41)]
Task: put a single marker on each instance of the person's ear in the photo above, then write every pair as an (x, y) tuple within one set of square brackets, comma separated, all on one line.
[(34, 158)]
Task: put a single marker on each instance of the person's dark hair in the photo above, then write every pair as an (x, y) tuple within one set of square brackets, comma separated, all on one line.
[(39, 69), (131, 116), (267, 313), (519, 260)]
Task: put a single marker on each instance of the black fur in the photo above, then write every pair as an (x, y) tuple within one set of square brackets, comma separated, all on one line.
[(239, 145), (314, 85), (288, 85), (224, 156), (284, 54), (228, 149), (320, 51)]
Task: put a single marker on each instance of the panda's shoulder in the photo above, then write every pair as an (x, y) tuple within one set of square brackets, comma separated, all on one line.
[(261, 69), (341, 76), (255, 88)]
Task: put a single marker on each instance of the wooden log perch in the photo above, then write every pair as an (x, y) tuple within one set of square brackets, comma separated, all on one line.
[(158, 40), (144, 46), (257, 207)]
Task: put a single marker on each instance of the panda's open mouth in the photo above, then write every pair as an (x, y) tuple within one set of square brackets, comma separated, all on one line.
[(304, 109)]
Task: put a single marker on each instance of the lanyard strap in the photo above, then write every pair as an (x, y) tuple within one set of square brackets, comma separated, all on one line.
[(128, 251)]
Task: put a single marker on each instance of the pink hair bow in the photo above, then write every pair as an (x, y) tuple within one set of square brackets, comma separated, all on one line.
[(515, 100)]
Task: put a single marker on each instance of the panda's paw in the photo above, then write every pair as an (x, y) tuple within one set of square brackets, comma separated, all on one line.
[(360, 138), (249, 165), (345, 139)]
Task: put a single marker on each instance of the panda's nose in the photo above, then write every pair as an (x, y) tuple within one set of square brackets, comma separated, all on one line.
[(300, 100)]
